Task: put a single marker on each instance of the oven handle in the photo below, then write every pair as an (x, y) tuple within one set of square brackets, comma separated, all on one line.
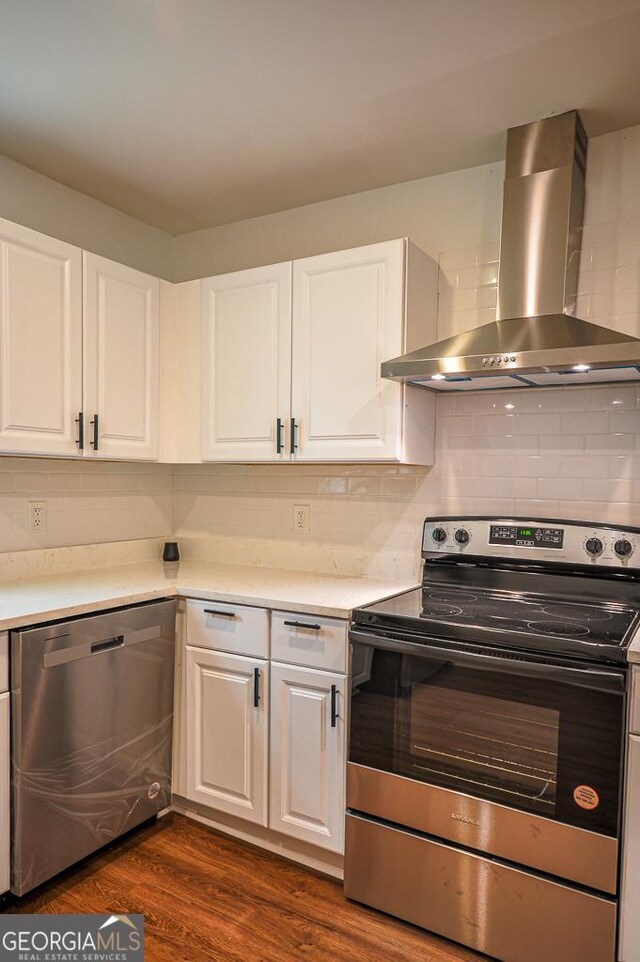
[(612, 681)]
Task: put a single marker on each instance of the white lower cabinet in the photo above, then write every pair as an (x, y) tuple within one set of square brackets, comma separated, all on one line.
[(227, 700), (4, 793), (308, 755)]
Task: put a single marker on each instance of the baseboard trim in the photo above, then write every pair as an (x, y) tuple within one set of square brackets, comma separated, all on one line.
[(329, 863)]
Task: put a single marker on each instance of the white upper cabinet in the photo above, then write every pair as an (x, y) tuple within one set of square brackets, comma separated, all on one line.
[(246, 356), (40, 342), (306, 356), (348, 316), (121, 360)]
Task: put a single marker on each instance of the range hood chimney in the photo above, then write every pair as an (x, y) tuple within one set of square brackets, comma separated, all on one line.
[(536, 339)]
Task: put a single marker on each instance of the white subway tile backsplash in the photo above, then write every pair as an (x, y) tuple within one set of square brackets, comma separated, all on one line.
[(88, 502)]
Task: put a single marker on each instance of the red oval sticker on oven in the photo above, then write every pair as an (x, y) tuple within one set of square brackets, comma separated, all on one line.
[(586, 797)]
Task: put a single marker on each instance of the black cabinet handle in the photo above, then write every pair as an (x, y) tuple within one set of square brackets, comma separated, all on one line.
[(279, 435), (94, 424), (302, 624), (256, 687), (334, 706), (294, 435), (80, 423), (221, 614)]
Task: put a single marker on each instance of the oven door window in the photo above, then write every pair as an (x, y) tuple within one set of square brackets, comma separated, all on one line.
[(545, 746), (482, 742)]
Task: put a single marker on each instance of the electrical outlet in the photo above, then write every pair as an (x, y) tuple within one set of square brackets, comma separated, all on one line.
[(301, 518), (37, 516)]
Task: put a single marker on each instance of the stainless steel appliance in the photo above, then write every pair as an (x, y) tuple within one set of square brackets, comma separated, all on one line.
[(92, 714), (536, 339), (487, 726)]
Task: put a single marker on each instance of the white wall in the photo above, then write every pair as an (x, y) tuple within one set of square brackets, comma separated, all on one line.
[(460, 209), (29, 198)]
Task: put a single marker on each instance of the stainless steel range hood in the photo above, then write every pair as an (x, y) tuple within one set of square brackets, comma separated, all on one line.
[(537, 339)]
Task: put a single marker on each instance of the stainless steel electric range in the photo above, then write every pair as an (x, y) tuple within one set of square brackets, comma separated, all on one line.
[(487, 730)]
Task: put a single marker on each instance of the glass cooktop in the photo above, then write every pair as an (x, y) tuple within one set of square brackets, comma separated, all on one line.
[(601, 630)]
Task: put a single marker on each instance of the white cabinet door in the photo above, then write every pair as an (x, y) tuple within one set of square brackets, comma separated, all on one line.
[(348, 317), (246, 356), (227, 729), (4, 794), (40, 342), (121, 359), (308, 756), (629, 947)]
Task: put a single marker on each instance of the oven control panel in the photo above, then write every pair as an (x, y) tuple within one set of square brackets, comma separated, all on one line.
[(571, 542)]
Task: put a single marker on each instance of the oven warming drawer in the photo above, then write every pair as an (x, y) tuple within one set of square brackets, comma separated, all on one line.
[(538, 843), (491, 907)]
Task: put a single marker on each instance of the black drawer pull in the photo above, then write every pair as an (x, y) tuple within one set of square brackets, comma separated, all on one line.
[(256, 688), (221, 614), (334, 706), (302, 624)]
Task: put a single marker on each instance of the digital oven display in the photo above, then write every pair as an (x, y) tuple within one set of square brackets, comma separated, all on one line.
[(526, 536)]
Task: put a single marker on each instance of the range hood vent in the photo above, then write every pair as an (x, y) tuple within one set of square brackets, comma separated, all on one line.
[(536, 339)]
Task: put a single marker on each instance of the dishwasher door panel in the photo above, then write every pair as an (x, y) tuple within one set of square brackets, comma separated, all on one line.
[(92, 703)]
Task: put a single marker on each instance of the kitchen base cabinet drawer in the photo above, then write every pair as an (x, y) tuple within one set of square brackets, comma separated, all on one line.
[(227, 733), (309, 641), (238, 629), (307, 789)]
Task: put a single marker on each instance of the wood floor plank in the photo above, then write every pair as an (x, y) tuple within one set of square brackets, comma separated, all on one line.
[(216, 899)]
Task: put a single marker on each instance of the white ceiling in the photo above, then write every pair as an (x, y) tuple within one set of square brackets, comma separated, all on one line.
[(192, 113)]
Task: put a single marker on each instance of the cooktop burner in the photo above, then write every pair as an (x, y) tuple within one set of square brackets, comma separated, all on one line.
[(515, 619)]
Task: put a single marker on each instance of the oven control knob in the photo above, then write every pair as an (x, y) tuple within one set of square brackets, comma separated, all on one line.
[(439, 535), (623, 548), (594, 546), (461, 536)]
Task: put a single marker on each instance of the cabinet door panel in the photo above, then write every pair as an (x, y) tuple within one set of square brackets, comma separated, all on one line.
[(122, 337), (4, 794), (629, 949), (40, 342), (227, 733), (348, 317), (307, 756), (246, 362)]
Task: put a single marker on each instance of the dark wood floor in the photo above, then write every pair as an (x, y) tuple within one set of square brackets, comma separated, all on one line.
[(208, 898)]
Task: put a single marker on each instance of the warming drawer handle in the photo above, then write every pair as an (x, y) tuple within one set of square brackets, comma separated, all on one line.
[(302, 624), (107, 645), (220, 614)]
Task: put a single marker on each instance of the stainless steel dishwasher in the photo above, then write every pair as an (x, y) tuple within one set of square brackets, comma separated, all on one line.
[(92, 718)]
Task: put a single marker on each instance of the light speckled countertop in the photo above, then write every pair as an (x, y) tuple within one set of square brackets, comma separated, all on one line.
[(52, 597)]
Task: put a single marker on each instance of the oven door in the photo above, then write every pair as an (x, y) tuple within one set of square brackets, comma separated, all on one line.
[(511, 749)]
